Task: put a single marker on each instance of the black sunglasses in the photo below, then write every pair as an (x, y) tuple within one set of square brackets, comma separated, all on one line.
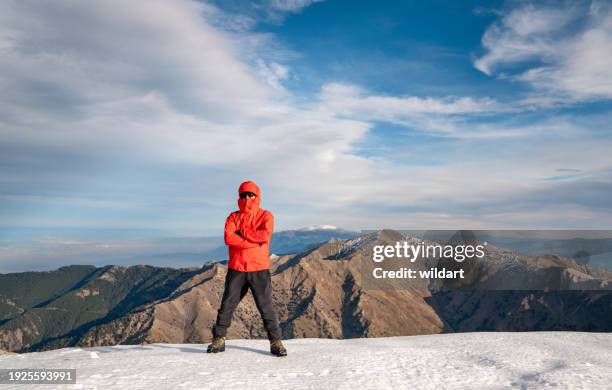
[(247, 193)]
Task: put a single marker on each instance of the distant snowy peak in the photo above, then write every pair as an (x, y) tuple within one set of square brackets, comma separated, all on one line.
[(318, 227), (300, 240)]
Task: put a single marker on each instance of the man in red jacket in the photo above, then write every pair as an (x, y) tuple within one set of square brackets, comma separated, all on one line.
[(247, 234)]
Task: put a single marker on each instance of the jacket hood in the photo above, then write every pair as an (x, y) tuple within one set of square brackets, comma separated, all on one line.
[(248, 205)]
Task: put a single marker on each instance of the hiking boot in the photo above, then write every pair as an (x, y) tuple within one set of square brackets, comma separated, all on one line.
[(277, 348), (217, 345)]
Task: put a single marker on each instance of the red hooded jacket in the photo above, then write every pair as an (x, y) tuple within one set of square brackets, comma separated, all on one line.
[(248, 232)]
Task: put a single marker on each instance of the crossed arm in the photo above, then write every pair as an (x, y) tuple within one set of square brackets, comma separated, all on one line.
[(246, 237)]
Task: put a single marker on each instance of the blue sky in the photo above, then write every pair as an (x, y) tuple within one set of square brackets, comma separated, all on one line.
[(390, 47), (123, 121)]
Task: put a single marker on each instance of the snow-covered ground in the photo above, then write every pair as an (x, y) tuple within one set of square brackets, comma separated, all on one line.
[(465, 361)]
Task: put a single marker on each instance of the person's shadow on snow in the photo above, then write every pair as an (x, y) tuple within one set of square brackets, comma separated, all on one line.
[(182, 349), (247, 349), (203, 350)]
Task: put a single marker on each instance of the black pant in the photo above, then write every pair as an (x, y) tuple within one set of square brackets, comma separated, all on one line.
[(237, 284)]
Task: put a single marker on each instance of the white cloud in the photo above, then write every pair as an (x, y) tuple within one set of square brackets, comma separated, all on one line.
[(240, 13), (158, 87), (351, 100), (161, 80), (442, 116), (291, 5), (273, 73), (566, 49)]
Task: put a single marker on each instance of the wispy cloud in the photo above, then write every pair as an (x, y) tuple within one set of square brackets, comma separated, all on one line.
[(292, 5), (564, 51), (250, 12), (351, 100), (436, 115)]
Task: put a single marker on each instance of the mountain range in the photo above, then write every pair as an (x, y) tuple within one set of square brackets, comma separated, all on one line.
[(322, 291)]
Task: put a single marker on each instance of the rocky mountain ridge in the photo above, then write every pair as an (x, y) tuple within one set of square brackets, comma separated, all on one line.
[(322, 292)]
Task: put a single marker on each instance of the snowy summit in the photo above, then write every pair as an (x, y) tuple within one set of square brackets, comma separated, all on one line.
[(318, 227), (566, 360)]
